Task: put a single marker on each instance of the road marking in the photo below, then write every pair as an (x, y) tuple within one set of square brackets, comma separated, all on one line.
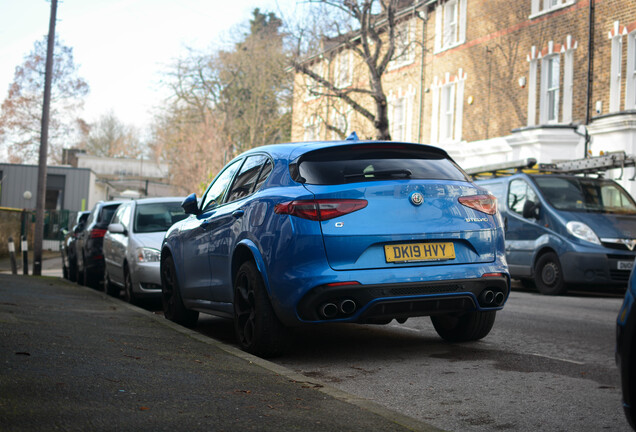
[(558, 359)]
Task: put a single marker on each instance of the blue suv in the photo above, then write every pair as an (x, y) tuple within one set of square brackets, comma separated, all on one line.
[(348, 231)]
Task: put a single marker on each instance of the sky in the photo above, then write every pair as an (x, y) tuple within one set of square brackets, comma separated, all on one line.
[(122, 47)]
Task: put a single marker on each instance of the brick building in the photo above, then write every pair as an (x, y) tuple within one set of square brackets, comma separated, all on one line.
[(495, 80)]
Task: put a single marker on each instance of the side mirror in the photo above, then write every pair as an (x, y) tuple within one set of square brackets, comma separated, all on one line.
[(117, 228), (78, 228), (190, 205), (531, 209)]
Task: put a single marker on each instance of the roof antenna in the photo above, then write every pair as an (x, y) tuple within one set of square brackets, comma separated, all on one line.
[(353, 137)]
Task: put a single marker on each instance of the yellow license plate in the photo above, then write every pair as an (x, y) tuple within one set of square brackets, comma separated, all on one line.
[(419, 252)]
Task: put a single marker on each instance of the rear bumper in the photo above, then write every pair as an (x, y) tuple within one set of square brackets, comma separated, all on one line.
[(382, 302)]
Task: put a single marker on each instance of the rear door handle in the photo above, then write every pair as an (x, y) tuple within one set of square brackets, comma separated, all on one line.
[(238, 213)]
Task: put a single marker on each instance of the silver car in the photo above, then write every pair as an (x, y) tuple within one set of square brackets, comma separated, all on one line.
[(132, 244)]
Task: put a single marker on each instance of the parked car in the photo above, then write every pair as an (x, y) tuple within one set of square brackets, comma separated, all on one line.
[(337, 232), (566, 229), (90, 241), (626, 350), (67, 247), (132, 244)]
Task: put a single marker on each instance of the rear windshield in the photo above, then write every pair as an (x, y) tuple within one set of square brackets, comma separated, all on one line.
[(373, 162), (585, 194), (107, 214), (156, 217)]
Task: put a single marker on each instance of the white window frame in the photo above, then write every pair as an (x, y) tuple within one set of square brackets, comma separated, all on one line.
[(532, 92), (311, 84), (550, 89), (447, 110), (449, 34), (343, 69), (340, 121), (542, 7), (404, 53), (397, 120), (630, 73), (311, 128), (615, 73)]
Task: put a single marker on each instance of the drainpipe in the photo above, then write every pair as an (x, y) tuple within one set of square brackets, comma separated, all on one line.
[(590, 66), (424, 19)]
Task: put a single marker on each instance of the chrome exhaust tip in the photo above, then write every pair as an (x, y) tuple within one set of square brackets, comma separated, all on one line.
[(329, 310), (348, 306)]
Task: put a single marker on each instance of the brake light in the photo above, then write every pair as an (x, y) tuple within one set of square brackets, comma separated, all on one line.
[(320, 210), (484, 203), (98, 233)]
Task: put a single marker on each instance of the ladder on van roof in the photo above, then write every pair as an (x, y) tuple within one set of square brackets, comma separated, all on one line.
[(592, 165)]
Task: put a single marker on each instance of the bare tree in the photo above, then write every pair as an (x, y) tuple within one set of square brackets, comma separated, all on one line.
[(367, 28), (21, 111), (111, 138)]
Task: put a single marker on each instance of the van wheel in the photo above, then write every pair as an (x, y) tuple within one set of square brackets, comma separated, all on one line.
[(548, 275), (257, 327), (173, 307), (466, 327)]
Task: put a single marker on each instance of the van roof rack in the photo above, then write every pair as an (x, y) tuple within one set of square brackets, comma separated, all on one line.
[(502, 169), (592, 165)]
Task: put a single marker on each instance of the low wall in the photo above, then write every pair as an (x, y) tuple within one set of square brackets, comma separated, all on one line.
[(10, 226)]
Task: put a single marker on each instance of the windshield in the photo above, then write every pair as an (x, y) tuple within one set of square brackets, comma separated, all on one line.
[(156, 217), (585, 194)]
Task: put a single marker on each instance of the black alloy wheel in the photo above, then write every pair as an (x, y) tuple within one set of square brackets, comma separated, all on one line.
[(258, 329), (548, 275), (173, 307), (465, 327)]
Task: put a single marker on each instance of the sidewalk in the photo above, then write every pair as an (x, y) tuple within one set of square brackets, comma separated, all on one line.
[(75, 359), (51, 263)]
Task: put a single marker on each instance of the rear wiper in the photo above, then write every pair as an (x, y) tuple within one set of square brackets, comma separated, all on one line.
[(382, 173)]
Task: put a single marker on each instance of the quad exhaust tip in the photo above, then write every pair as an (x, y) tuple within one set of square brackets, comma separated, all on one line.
[(490, 298), (332, 309)]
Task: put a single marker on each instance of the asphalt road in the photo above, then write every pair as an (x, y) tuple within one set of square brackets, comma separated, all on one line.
[(548, 364)]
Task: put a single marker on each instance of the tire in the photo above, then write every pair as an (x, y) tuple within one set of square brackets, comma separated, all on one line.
[(173, 307), (129, 295), (548, 275), (72, 270), (109, 287), (258, 329), (466, 327)]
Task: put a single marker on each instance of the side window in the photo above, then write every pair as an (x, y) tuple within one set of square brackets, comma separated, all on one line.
[(246, 178), (117, 216), (265, 172), (520, 192), (216, 191), (125, 217)]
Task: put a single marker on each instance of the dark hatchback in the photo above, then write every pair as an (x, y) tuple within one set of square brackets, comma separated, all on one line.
[(90, 243), (626, 350), (68, 247)]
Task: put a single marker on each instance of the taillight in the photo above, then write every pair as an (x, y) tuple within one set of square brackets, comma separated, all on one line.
[(484, 203), (98, 233), (320, 210)]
